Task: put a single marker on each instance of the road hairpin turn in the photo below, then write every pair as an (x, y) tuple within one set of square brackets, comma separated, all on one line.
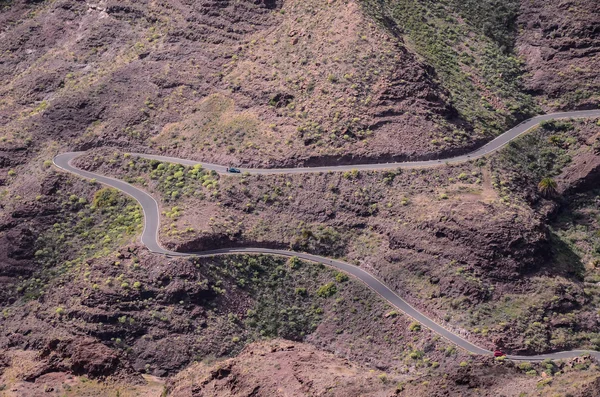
[(151, 240)]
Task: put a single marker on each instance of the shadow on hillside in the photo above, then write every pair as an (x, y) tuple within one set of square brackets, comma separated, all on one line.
[(563, 260)]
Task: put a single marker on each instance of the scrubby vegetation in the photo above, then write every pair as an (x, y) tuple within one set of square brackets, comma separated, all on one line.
[(554, 312), (505, 249), (241, 201), (172, 180), (474, 59), (287, 302), (547, 187), (220, 127), (533, 160), (87, 230), (495, 18), (212, 307)]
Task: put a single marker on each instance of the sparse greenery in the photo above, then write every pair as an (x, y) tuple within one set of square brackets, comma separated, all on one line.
[(495, 18), (281, 308), (547, 187), (538, 155), (319, 239), (474, 58), (87, 231), (525, 366)]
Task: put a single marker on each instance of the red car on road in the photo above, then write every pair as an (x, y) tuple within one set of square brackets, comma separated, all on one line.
[(498, 353)]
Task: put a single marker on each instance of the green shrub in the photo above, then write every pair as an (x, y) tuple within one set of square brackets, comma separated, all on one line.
[(353, 174), (544, 382), (414, 327), (525, 366), (556, 126), (106, 198), (301, 291), (327, 290), (341, 277), (450, 350), (293, 262)]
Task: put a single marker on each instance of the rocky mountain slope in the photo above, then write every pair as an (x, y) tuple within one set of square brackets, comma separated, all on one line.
[(558, 42), (287, 83), (467, 242), (301, 370)]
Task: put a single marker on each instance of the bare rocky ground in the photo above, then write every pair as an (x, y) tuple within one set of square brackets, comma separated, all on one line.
[(559, 43), (272, 90), (90, 296), (307, 371), (301, 370), (85, 311)]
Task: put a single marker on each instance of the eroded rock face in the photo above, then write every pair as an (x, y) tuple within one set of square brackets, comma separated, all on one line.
[(19, 230), (109, 43), (500, 248), (278, 367), (119, 81), (81, 357), (582, 175), (560, 41)]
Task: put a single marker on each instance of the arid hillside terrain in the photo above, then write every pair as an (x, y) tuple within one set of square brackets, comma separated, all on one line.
[(273, 82), (469, 243), (504, 251)]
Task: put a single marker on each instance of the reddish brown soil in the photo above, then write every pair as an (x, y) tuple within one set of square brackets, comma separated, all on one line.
[(281, 368), (273, 82), (560, 43)]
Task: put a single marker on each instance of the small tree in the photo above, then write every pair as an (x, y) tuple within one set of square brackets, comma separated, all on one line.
[(547, 187)]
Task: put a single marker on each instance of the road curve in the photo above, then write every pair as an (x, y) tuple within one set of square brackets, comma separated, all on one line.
[(490, 147), (150, 236)]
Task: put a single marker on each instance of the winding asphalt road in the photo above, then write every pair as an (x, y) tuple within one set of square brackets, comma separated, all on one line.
[(151, 210), (490, 147)]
